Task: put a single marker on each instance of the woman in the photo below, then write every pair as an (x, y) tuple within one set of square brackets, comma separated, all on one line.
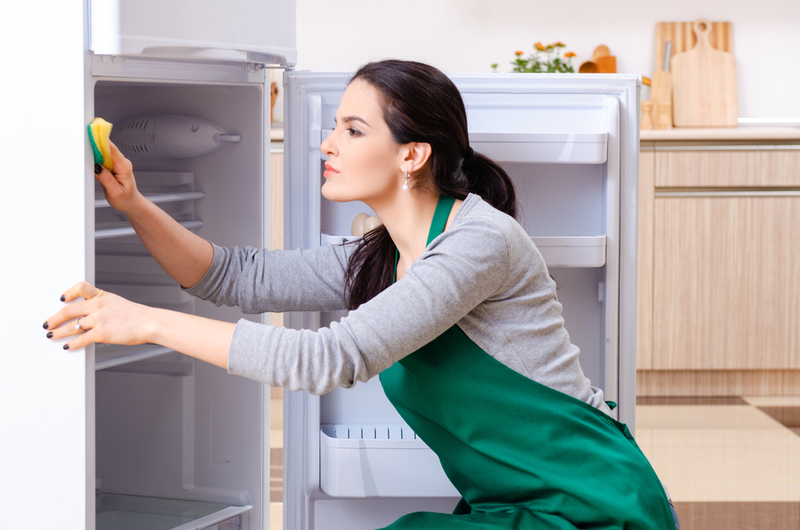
[(451, 303)]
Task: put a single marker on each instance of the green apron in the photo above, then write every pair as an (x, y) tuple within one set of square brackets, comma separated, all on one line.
[(521, 454)]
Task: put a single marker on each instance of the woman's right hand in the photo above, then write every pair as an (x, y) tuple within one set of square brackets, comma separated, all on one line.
[(119, 186)]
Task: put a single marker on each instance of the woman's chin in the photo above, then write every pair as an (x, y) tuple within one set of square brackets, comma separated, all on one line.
[(334, 193)]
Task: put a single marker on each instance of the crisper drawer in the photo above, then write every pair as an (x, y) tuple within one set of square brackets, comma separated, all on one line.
[(728, 167), (379, 461), (131, 512)]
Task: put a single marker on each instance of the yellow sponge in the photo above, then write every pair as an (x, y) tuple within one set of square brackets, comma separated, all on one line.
[(99, 131)]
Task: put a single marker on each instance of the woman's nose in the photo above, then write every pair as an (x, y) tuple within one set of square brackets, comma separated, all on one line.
[(327, 144)]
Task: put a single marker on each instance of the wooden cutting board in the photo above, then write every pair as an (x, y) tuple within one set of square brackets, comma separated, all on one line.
[(704, 84), (683, 39)]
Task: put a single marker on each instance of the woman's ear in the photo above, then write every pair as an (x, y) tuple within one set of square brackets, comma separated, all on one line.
[(418, 154)]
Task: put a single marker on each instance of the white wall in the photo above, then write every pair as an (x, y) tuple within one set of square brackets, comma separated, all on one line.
[(469, 35)]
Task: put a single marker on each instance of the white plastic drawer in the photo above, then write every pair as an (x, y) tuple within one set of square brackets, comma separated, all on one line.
[(379, 461)]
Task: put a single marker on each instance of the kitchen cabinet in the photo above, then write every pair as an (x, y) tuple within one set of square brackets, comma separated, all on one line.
[(719, 263)]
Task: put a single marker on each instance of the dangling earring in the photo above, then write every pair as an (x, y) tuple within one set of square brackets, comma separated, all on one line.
[(405, 186)]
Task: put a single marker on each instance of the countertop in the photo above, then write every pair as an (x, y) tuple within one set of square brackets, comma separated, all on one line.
[(746, 133)]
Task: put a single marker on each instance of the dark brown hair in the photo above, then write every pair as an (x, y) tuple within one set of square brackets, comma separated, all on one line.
[(421, 104)]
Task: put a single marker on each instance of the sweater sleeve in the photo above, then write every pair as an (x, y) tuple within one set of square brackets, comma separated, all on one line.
[(260, 280), (460, 269)]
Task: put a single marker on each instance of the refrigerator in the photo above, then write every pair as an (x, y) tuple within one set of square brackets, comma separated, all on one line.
[(115, 437)]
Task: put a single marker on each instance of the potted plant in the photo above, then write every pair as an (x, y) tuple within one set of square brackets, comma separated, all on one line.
[(544, 59)]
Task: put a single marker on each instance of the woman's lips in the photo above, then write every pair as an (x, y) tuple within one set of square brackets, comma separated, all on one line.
[(329, 171)]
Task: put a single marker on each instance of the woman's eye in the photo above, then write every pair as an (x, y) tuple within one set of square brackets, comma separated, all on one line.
[(353, 132)]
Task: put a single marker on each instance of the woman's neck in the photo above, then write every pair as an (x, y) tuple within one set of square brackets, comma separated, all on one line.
[(408, 218)]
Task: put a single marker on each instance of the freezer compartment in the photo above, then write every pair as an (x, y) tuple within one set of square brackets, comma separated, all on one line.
[(379, 461), (130, 512)]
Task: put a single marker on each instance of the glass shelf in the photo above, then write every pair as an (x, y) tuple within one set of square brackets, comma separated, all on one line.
[(132, 512)]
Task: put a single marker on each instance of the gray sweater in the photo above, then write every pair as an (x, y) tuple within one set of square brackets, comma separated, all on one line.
[(483, 273)]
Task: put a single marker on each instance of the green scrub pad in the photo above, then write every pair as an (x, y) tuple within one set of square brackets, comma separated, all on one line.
[(99, 131)]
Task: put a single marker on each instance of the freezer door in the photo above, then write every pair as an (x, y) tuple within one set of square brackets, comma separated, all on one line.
[(234, 30)]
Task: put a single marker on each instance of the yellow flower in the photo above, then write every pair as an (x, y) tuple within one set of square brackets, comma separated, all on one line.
[(559, 44), (570, 54), (539, 47), (518, 53)]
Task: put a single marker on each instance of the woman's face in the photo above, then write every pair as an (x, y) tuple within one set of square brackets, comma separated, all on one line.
[(364, 162)]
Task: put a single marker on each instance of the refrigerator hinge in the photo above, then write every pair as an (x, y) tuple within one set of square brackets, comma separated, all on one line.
[(255, 67)]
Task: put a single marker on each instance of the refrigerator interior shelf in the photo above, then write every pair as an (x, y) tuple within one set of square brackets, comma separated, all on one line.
[(129, 512), (378, 461), (107, 233), (160, 198), (108, 356), (536, 148), (557, 251), (543, 148)]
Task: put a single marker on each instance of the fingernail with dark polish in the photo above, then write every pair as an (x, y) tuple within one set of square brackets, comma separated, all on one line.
[(63, 297), (98, 169), (66, 346), (49, 334), (45, 325)]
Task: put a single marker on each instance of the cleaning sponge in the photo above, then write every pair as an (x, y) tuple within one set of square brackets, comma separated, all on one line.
[(99, 131)]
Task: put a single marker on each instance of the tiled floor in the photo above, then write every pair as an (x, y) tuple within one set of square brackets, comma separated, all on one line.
[(729, 463)]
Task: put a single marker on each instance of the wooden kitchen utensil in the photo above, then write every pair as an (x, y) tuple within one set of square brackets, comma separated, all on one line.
[(683, 39), (661, 94), (704, 84)]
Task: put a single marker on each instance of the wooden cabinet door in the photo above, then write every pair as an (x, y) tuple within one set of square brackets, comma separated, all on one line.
[(726, 282)]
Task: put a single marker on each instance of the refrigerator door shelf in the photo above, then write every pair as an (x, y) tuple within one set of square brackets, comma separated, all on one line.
[(560, 251), (371, 467), (122, 512), (542, 148)]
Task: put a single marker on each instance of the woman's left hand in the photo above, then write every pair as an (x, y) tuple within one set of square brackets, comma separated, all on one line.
[(101, 317)]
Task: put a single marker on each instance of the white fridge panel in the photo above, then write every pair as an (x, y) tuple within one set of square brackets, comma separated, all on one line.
[(567, 143), (235, 30)]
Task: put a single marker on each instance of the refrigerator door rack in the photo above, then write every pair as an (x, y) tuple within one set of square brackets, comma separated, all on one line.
[(557, 251)]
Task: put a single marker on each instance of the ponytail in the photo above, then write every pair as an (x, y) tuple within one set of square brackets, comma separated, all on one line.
[(421, 104)]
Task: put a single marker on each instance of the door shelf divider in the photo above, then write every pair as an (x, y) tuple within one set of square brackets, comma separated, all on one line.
[(558, 251)]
